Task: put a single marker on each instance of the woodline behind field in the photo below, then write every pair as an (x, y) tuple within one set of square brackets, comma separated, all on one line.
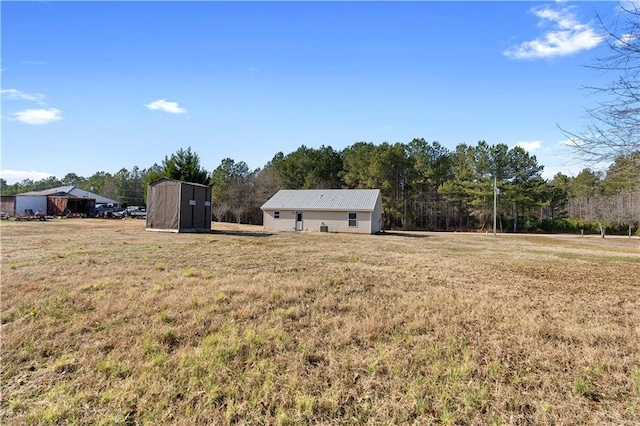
[(104, 323)]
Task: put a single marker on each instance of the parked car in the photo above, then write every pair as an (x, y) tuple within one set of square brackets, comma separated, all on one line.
[(139, 213), (110, 212), (119, 213)]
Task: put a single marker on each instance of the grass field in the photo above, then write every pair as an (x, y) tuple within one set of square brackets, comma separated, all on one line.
[(104, 323)]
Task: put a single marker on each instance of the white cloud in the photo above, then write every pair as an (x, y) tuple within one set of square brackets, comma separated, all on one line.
[(568, 142), (626, 39), (566, 36), (17, 95), (38, 116), (254, 69), (166, 106), (624, 5), (12, 176), (529, 146), (550, 171), (572, 168)]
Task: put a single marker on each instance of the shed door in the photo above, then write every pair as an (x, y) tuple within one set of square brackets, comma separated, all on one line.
[(187, 204), (298, 221), (199, 210)]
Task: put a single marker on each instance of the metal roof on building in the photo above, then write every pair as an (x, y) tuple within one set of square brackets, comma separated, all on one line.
[(323, 199), (166, 179), (73, 191)]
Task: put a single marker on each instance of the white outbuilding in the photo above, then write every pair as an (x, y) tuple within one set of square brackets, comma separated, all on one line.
[(324, 210), (61, 199)]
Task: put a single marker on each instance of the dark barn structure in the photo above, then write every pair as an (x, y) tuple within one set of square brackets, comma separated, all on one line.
[(176, 206), (63, 204)]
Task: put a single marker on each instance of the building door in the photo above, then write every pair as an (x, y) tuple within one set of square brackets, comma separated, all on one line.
[(298, 221)]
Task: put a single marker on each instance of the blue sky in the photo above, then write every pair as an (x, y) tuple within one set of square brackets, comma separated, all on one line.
[(98, 86)]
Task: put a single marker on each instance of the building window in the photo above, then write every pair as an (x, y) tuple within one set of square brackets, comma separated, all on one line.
[(353, 219), (276, 215)]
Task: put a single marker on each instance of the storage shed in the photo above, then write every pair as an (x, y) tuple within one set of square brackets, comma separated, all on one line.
[(176, 206), (324, 210)]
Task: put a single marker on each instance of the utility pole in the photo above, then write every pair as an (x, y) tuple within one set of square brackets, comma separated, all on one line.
[(495, 204)]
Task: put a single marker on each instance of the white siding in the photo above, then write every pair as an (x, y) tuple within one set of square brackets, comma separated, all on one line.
[(376, 221), (329, 208), (312, 220), (337, 221), (285, 223), (33, 202)]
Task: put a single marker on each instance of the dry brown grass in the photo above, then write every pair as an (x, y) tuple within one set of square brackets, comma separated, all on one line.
[(104, 323)]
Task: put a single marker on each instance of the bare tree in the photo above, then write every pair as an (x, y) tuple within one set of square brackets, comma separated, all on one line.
[(237, 210), (240, 197), (627, 208), (267, 183), (219, 209), (613, 125), (602, 212)]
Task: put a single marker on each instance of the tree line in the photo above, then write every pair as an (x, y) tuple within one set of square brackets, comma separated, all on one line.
[(425, 186)]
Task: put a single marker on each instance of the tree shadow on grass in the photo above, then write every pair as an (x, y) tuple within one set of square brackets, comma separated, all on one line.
[(241, 233), (400, 234)]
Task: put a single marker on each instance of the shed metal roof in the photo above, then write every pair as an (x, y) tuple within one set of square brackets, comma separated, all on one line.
[(323, 199), (70, 190), (166, 179)]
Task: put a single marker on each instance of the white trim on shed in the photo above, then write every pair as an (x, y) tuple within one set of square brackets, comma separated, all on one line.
[(329, 210)]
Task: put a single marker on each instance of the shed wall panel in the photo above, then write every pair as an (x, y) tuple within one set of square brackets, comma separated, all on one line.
[(163, 201), (198, 196), (186, 211), (207, 208), (195, 208), (201, 212)]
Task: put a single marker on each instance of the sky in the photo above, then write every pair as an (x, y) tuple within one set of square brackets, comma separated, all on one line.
[(101, 86)]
